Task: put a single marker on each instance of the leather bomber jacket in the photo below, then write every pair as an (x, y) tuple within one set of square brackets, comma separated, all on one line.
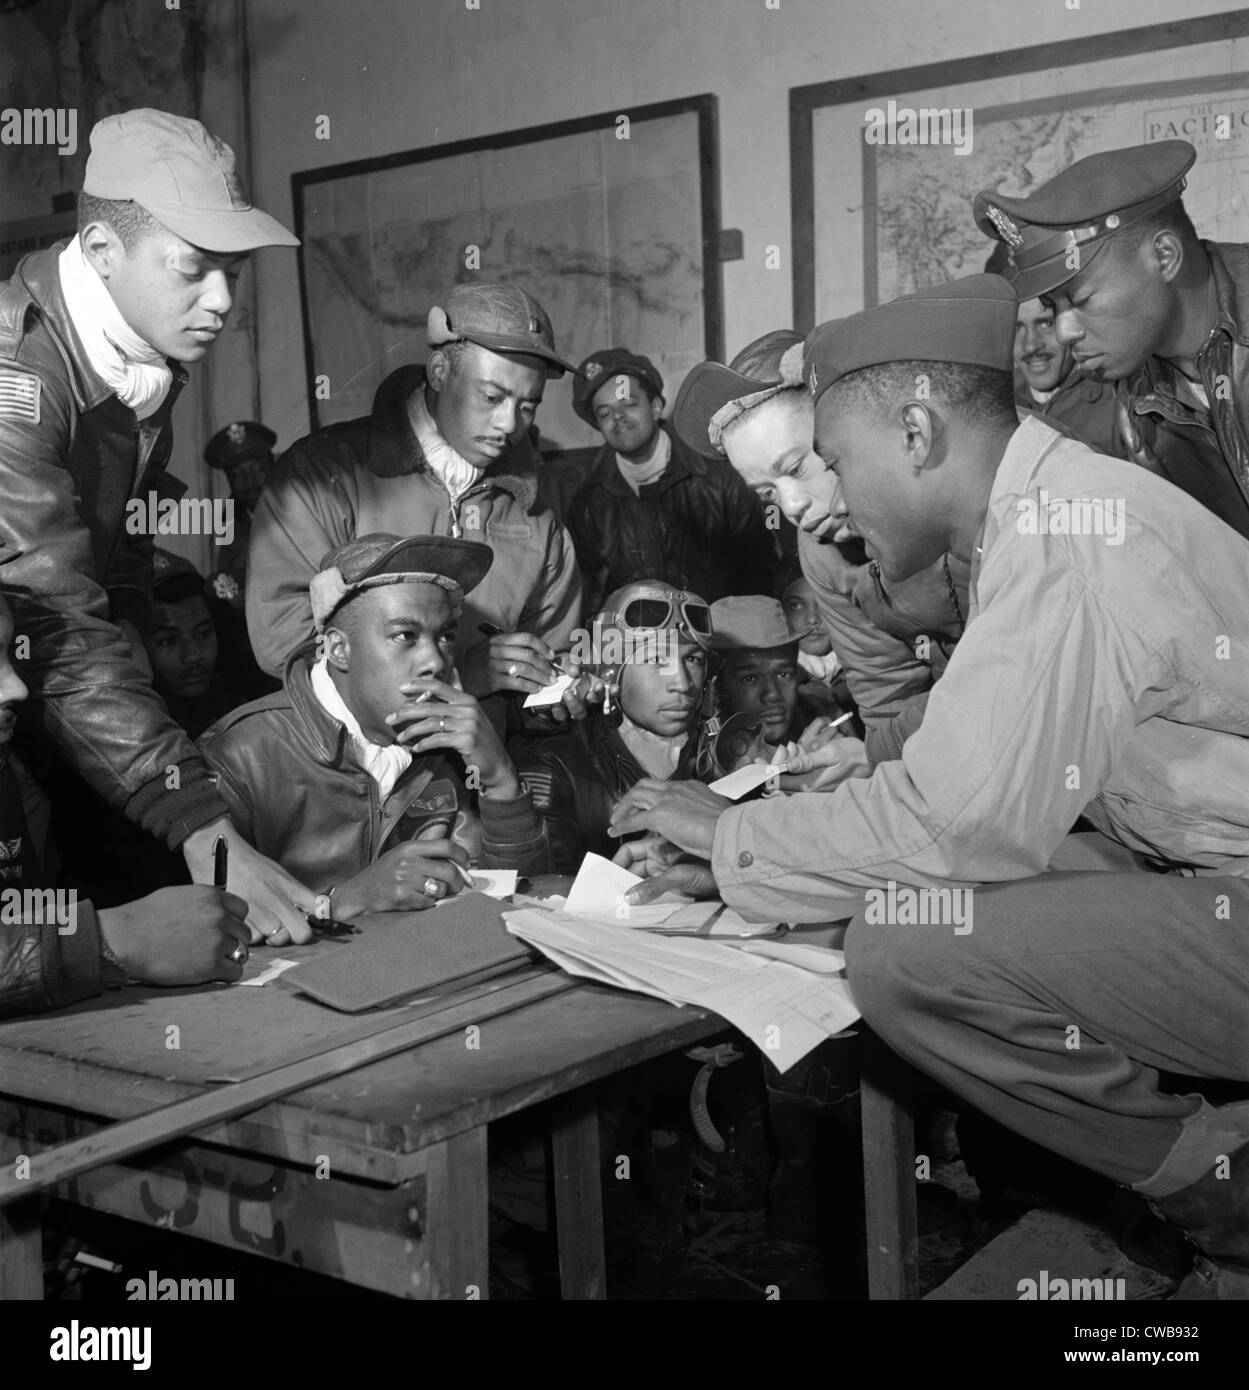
[(576, 776), (697, 527), (71, 456), (296, 794)]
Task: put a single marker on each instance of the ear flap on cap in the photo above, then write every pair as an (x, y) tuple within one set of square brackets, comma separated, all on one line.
[(791, 365), (437, 329)]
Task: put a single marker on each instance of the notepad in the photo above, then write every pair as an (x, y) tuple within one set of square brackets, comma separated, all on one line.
[(745, 779), (599, 887), (550, 694), (395, 954)]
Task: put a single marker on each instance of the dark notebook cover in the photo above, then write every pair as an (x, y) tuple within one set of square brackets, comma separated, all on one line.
[(396, 954)]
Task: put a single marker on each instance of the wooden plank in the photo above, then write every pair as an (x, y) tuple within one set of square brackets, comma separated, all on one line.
[(888, 1171), (457, 1241), (185, 1117), (578, 1195), (21, 1252)]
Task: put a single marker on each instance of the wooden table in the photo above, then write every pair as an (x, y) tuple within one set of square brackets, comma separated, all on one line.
[(378, 1177)]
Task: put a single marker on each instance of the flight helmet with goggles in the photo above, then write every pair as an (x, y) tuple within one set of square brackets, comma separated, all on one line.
[(644, 621)]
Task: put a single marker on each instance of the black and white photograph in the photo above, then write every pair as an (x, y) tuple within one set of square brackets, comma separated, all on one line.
[(624, 674)]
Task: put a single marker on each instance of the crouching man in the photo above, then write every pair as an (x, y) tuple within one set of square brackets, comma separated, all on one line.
[(372, 777)]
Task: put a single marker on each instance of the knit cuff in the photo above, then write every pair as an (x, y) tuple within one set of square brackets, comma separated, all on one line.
[(72, 959), (510, 821), (173, 815)]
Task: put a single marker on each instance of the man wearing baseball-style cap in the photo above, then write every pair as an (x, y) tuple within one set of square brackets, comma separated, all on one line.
[(353, 779), (650, 507), (95, 338), (1089, 681), (444, 451), (1144, 303)]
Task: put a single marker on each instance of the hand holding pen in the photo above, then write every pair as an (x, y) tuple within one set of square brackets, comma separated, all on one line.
[(516, 661), (221, 874)]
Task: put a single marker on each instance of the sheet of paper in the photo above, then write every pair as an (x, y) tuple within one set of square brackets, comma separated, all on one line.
[(599, 887), (745, 779), (549, 694), (817, 958), (274, 969), (494, 883)]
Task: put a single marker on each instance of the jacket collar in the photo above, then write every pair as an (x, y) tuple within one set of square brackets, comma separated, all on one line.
[(325, 736), (41, 276), (683, 463), (393, 451), (1229, 263)]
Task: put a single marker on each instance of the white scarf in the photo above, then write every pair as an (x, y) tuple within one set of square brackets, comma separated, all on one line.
[(385, 763), (637, 475), (820, 668), (133, 370), (658, 755), (453, 471)]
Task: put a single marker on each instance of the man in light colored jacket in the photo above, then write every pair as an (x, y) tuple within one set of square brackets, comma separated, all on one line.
[(1104, 672)]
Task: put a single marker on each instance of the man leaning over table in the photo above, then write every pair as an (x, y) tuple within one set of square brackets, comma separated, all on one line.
[(1104, 673), (95, 335)]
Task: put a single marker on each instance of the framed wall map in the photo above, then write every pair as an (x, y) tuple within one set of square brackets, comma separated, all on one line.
[(873, 221), (613, 226)]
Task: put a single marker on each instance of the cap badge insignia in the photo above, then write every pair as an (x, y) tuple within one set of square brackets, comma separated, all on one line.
[(592, 369), (236, 434), (1007, 230)]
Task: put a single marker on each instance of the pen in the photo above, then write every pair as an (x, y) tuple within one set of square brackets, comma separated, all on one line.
[(493, 630), (221, 853), (463, 873)]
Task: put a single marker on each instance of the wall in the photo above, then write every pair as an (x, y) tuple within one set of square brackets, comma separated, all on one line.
[(401, 74)]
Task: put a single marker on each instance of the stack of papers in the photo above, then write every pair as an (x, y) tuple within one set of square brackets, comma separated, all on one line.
[(783, 1009)]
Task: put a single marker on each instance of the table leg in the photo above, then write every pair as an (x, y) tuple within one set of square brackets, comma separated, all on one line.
[(889, 1171), (21, 1251), (578, 1195), (457, 1211)]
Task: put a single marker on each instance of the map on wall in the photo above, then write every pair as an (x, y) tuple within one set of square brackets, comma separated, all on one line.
[(889, 218), (924, 234), (606, 232)]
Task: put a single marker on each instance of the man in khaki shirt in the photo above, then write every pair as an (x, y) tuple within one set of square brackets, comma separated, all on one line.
[(1104, 672)]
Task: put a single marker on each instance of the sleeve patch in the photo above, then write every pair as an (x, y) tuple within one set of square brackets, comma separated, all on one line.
[(19, 397)]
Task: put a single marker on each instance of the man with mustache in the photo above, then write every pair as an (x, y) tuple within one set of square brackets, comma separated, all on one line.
[(1049, 382), (1143, 302), (445, 452), (95, 338), (650, 507)]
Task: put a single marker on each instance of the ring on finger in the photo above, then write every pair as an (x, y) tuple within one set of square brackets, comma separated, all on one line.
[(513, 670), (240, 953), (442, 723), (432, 887)]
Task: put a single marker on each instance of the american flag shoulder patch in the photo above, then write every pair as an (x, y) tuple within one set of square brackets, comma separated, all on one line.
[(19, 396)]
